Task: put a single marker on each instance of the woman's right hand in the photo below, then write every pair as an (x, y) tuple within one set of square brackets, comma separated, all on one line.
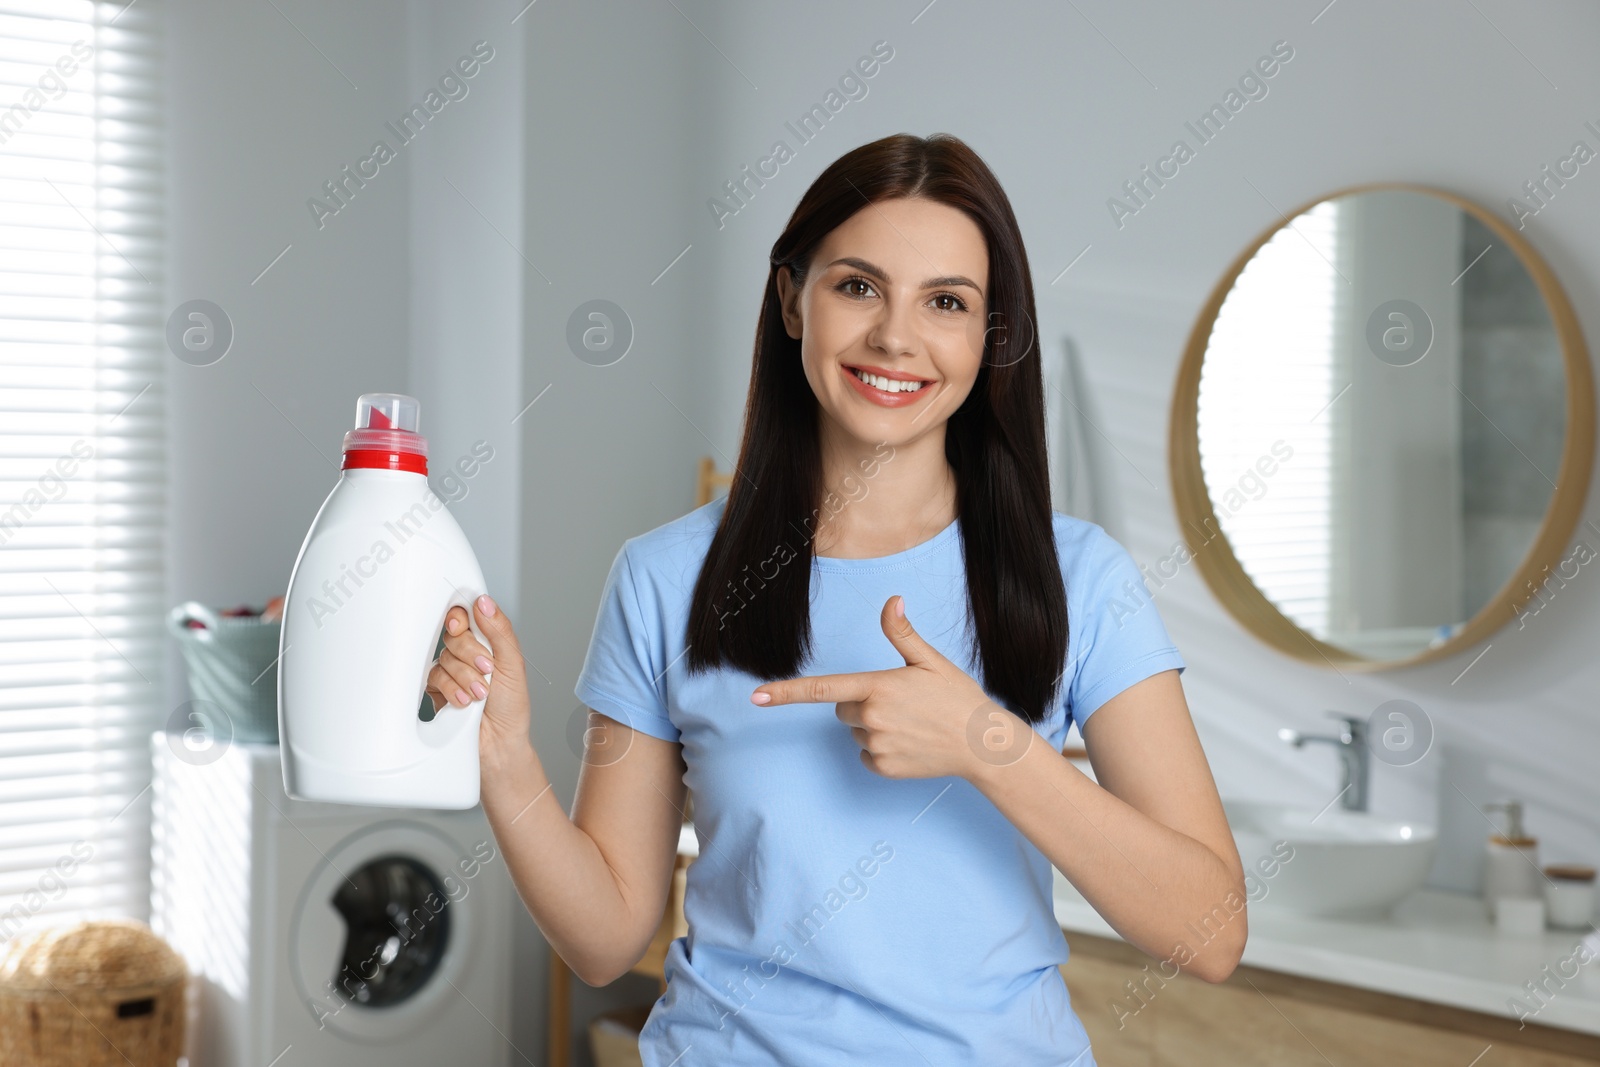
[(466, 671)]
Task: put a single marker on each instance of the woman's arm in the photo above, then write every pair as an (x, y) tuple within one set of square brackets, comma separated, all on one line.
[(595, 883), (1149, 846)]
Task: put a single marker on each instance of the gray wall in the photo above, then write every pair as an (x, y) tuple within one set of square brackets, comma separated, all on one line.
[(465, 210), (257, 122), (615, 114)]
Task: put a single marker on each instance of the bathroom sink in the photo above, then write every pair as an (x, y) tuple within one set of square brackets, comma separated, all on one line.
[(1336, 864)]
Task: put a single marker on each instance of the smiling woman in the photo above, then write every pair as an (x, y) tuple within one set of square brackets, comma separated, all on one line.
[(931, 619), (887, 267)]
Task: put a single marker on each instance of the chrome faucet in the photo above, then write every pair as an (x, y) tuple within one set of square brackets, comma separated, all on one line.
[(1354, 756)]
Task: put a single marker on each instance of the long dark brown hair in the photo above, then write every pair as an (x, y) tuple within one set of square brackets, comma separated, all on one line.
[(751, 606)]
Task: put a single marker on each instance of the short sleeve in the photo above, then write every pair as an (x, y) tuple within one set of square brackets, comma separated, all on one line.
[(621, 675), (1117, 637)]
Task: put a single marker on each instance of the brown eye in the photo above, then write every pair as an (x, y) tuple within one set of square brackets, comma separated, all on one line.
[(955, 302)]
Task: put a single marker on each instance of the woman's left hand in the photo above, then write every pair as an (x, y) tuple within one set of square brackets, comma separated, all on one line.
[(927, 719)]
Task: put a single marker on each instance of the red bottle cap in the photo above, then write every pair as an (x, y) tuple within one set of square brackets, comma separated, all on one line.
[(386, 434)]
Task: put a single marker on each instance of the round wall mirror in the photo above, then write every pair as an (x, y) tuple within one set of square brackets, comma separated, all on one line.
[(1383, 430)]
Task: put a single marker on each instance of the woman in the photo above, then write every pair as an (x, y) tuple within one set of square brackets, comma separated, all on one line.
[(864, 663)]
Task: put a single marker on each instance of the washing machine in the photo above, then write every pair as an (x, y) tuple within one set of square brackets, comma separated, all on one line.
[(326, 934)]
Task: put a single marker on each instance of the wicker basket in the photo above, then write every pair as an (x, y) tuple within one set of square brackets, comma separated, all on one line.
[(228, 659), (104, 993)]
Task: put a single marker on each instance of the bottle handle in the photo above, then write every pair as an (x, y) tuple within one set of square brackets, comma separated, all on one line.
[(460, 596)]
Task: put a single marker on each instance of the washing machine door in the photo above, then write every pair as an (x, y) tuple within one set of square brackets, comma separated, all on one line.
[(396, 929), (383, 926)]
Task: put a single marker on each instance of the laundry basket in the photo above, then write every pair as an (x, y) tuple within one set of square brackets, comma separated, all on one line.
[(102, 993), (228, 659)]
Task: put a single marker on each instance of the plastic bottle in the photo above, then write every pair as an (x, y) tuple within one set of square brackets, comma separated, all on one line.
[(1511, 862), (382, 564)]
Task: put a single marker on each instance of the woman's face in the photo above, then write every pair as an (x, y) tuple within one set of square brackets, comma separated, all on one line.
[(891, 319)]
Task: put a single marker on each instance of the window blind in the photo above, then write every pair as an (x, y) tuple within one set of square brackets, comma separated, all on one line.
[(1269, 375), (82, 456)]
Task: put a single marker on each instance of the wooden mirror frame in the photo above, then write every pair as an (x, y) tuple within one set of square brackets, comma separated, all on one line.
[(1215, 556)]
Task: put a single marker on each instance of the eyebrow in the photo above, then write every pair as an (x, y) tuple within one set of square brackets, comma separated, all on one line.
[(932, 283)]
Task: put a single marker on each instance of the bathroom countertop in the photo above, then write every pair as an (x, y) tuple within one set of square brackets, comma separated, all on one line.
[(1438, 947)]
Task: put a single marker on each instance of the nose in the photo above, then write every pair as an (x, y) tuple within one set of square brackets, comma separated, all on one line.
[(894, 332)]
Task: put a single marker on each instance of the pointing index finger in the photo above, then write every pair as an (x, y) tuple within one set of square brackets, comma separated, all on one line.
[(818, 689)]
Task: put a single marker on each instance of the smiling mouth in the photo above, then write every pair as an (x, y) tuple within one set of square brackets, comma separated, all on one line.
[(888, 385)]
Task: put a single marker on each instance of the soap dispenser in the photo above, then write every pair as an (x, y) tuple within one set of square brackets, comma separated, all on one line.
[(1511, 864)]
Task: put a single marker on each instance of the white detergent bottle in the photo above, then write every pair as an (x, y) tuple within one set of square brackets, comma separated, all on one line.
[(383, 563)]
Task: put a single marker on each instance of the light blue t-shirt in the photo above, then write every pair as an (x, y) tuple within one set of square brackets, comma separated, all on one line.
[(836, 916)]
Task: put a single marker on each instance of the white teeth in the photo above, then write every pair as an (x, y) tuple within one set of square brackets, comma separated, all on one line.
[(888, 385)]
